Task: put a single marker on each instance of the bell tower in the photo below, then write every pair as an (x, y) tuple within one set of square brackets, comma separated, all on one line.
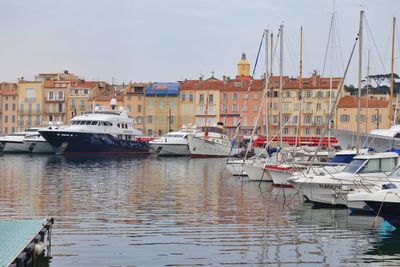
[(243, 69)]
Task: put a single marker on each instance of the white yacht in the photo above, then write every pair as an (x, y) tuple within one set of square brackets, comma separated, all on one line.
[(100, 131), (364, 172), (174, 143), (379, 139), (28, 141), (211, 141)]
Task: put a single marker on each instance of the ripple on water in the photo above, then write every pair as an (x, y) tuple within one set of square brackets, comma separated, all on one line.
[(181, 212)]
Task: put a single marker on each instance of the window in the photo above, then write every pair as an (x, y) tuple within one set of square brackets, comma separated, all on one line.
[(308, 94), (51, 95), (307, 120), (139, 108), (318, 120), (150, 132), (201, 99), (362, 118), (13, 118), (285, 130), (150, 104), (73, 104), (345, 118), (21, 108), (6, 118), (224, 108), (224, 96), (235, 96), (235, 107), (211, 99), (245, 107), (183, 97), (376, 118), (318, 106), (38, 107), (161, 104), (307, 131), (319, 95), (60, 95), (150, 119), (318, 131), (82, 105), (255, 108), (287, 94), (86, 91), (14, 107), (6, 106), (30, 95), (191, 97), (235, 121), (275, 119), (60, 107), (285, 119)]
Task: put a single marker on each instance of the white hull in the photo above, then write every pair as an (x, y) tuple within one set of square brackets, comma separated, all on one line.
[(257, 172), (235, 167), (280, 176), (41, 147), (19, 147), (171, 149), (204, 148), (381, 143)]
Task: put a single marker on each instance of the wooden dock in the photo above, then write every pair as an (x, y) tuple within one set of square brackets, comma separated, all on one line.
[(20, 239)]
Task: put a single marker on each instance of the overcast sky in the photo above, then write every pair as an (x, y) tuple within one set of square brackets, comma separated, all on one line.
[(170, 40)]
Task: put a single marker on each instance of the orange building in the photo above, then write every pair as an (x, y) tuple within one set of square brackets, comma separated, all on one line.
[(374, 114), (8, 111), (134, 102), (55, 101)]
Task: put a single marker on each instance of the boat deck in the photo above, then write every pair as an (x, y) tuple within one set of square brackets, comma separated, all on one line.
[(18, 235)]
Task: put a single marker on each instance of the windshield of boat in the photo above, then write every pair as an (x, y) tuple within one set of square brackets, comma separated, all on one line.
[(175, 135), (354, 165)]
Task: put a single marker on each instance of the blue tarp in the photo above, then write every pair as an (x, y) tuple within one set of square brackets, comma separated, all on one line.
[(162, 89)]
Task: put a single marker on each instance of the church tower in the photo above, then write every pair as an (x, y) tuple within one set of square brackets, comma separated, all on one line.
[(243, 69)]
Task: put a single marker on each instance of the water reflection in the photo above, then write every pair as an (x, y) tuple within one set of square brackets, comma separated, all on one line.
[(180, 212)]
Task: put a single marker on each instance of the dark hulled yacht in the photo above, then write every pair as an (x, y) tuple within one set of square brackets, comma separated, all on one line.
[(100, 131)]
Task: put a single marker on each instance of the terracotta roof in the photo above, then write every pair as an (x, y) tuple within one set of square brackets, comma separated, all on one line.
[(351, 102), (289, 83), (8, 92)]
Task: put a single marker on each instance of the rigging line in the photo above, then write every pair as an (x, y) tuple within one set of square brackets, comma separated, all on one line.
[(245, 101), (373, 39), (290, 47), (327, 46), (339, 88), (339, 40)]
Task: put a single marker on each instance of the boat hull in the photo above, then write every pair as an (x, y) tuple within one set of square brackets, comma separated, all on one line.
[(279, 175), (235, 167), (201, 148), (257, 173), (81, 142), (380, 143), (170, 150), (388, 210)]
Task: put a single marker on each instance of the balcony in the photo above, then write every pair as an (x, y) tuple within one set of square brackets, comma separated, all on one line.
[(47, 111), (308, 111), (47, 99)]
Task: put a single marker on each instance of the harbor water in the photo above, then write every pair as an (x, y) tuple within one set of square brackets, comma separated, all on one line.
[(149, 211)]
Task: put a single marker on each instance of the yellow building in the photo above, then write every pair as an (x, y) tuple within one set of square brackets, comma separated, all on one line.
[(374, 114), (187, 93), (243, 67), (55, 101), (30, 103), (134, 102), (162, 108)]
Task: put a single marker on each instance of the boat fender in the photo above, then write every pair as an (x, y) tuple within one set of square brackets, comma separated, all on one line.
[(39, 248)]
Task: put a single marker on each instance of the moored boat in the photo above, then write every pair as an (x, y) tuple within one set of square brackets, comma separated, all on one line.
[(100, 131)]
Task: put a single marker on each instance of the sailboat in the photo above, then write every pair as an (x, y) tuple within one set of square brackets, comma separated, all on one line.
[(379, 139)]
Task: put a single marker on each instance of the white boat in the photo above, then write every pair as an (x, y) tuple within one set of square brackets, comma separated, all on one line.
[(210, 141), (100, 131), (384, 202), (28, 141), (173, 143), (379, 139), (364, 172), (257, 172)]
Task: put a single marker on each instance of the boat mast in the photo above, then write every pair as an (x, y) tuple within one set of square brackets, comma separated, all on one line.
[(266, 86), (300, 87), (206, 118), (272, 88), (280, 84), (367, 95), (392, 75), (359, 78)]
